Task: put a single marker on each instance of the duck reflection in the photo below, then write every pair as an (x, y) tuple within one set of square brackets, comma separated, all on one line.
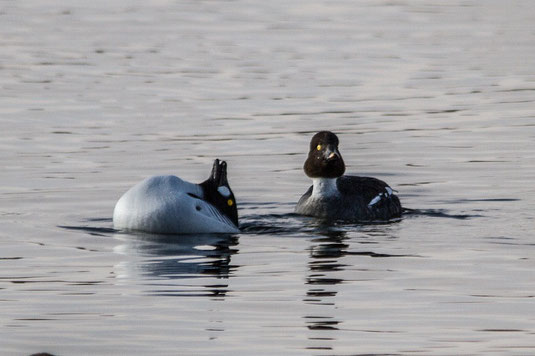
[(174, 265), (324, 254), (333, 245)]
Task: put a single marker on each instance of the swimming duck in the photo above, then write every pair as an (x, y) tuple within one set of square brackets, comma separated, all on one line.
[(170, 205), (335, 196)]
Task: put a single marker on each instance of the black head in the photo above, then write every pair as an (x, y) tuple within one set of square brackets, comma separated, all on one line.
[(218, 193), (324, 160)]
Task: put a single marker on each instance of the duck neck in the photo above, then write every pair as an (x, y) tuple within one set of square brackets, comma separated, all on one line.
[(324, 187)]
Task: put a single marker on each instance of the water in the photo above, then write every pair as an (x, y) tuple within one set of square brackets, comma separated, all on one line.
[(436, 98)]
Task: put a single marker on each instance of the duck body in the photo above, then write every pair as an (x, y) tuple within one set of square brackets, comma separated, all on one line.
[(335, 196), (355, 199), (170, 205)]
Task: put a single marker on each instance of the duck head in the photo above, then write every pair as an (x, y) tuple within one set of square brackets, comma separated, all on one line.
[(218, 193), (324, 160)]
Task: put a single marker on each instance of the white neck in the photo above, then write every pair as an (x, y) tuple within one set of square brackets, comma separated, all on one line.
[(324, 187)]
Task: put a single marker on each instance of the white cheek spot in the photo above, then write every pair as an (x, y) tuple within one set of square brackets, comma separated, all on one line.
[(224, 191), (388, 191)]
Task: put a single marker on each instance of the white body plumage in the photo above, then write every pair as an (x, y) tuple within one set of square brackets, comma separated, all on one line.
[(169, 205)]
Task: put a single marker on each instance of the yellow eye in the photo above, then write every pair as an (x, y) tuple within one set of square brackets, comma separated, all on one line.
[(318, 147), (230, 202)]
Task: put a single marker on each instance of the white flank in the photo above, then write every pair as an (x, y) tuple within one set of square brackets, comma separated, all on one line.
[(165, 204)]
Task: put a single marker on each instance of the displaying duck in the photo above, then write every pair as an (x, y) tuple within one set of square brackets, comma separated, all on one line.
[(170, 205), (335, 196)]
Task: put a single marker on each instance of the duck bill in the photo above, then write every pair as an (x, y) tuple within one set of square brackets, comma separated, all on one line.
[(331, 153)]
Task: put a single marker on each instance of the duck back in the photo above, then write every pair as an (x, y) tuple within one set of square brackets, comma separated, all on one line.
[(357, 199)]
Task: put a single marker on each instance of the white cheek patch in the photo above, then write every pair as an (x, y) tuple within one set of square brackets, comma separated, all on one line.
[(224, 191), (388, 191)]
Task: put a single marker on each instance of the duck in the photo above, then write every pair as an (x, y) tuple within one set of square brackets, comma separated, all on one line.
[(335, 196), (167, 204)]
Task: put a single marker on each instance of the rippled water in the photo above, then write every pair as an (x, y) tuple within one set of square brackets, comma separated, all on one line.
[(437, 98)]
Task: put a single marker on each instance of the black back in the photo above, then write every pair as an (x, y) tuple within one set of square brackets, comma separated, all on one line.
[(225, 204), (353, 203), (362, 190)]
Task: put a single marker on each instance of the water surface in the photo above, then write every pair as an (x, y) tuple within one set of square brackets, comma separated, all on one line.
[(435, 98)]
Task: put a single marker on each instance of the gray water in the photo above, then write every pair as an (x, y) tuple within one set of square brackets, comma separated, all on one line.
[(435, 97)]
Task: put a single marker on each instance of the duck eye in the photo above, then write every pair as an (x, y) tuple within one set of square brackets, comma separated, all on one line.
[(230, 202), (318, 147)]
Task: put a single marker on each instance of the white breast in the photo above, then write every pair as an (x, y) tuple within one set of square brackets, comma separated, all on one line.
[(161, 204), (324, 187)]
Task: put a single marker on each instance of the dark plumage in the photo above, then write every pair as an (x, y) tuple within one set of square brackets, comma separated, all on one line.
[(338, 197), (325, 162), (226, 203)]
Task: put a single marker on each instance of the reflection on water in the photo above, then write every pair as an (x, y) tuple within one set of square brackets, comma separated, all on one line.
[(175, 257), (326, 270), (324, 259)]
